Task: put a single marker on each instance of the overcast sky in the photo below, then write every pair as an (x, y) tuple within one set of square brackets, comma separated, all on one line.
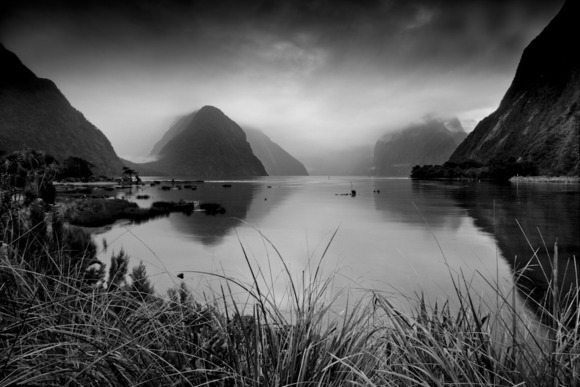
[(310, 74)]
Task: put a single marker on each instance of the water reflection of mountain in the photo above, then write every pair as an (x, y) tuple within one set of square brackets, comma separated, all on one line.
[(422, 201), (546, 214), (237, 201)]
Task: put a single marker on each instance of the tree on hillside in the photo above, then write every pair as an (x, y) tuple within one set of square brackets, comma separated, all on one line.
[(76, 167), (128, 174)]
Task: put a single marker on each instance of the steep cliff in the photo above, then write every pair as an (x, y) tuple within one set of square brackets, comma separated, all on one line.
[(538, 119), (276, 160), (207, 144), (431, 142), (35, 114)]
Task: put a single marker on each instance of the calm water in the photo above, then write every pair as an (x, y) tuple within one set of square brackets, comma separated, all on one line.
[(409, 237)]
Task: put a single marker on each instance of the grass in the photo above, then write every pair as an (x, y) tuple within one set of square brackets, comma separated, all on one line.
[(64, 322)]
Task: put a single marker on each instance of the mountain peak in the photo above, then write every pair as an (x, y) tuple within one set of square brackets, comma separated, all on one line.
[(206, 144), (13, 71), (547, 59), (208, 109), (454, 125)]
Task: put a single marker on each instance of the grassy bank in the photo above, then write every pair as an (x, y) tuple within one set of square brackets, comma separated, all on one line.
[(64, 322)]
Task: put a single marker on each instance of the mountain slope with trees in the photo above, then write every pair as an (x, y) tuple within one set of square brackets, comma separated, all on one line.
[(538, 120), (35, 114)]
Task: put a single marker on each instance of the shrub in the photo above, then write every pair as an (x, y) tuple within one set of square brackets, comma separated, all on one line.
[(76, 168)]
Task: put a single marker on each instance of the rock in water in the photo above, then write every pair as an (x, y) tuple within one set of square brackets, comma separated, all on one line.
[(538, 119), (35, 114)]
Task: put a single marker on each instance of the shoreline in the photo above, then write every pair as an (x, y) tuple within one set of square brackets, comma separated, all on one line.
[(98, 230), (546, 179)]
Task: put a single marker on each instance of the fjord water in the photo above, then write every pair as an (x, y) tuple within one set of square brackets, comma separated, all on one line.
[(396, 236)]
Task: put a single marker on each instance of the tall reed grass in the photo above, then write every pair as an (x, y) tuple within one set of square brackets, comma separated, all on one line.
[(63, 322)]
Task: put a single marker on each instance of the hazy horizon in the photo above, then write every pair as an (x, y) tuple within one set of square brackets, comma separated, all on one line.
[(311, 75)]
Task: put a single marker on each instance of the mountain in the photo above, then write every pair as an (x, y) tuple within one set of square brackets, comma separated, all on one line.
[(35, 114), (538, 119), (276, 160), (430, 142), (176, 128), (206, 144)]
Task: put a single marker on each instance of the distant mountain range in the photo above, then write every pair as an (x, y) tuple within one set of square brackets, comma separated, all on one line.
[(348, 161), (431, 142), (538, 119), (276, 160), (35, 114)]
